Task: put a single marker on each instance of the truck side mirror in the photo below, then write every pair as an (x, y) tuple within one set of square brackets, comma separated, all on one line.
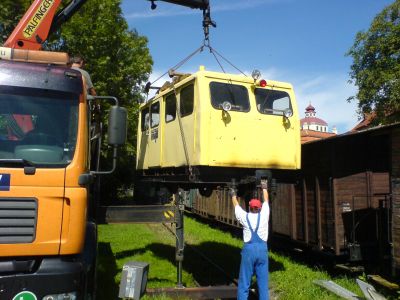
[(117, 127)]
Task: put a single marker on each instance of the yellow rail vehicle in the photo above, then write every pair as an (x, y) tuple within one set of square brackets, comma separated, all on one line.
[(208, 128)]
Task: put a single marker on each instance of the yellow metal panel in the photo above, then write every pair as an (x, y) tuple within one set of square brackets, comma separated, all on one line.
[(249, 139), (173, 150), (149, 142), (178, 134)]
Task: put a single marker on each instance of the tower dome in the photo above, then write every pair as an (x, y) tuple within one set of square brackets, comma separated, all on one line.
[(311, 122)]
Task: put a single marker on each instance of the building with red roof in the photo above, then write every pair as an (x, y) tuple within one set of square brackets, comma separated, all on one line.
[(313, 128)]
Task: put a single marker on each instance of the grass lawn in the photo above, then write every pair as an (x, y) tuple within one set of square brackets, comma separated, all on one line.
[(153, 243)]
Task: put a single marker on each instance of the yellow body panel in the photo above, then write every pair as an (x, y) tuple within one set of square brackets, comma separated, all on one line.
[(216, 138)]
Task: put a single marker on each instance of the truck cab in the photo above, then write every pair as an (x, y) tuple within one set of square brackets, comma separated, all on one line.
[(47, 155)]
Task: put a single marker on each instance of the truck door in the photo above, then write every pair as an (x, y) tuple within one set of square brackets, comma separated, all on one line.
[(38, 137)]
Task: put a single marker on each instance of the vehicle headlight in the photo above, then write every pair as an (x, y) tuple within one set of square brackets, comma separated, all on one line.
[(226, 106), (288, 113), (256, 74)]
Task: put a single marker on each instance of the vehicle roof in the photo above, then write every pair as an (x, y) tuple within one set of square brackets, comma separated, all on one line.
[(40, 76), (235, 78)]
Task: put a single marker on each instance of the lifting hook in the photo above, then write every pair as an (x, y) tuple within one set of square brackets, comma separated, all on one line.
[(207, 22)]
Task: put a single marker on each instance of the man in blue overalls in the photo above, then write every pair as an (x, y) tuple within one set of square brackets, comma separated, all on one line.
[(255, 251)]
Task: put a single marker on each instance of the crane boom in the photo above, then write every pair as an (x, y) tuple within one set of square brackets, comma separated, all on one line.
[(41, 19), (201, 4), (33, 29)]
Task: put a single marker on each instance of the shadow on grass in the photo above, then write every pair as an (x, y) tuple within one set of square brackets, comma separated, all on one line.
[(106, 271), (210, 263)]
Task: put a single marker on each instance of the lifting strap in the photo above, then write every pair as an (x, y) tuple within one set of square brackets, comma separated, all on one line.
[(207, 22)]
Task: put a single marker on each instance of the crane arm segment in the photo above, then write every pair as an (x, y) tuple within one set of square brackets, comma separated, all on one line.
[(40, 20), (201, 4), (33, 29)]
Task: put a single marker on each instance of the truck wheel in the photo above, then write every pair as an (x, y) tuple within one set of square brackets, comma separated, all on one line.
[(91, 278)]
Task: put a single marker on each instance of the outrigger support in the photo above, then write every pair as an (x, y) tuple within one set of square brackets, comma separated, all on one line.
[(152, 214), (180, 239)]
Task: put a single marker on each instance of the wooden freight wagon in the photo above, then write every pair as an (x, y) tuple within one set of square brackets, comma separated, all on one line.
[(218, 206), (346, 199), (395, 184)]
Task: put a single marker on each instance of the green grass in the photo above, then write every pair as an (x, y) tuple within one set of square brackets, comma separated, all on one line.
[(291, 280), (153, 243)]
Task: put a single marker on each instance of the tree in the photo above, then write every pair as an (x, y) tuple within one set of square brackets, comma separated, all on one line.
[(376, 66), (11, 12)]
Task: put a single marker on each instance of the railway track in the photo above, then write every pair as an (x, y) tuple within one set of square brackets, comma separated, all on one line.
[(208, 291)]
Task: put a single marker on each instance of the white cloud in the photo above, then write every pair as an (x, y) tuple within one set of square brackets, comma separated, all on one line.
[(240, 4), (328, 94), (158, 13)]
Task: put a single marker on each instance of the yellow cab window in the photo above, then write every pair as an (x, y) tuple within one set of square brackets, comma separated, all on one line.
[(186, 100), (155, 114), (272, 102), (145, 118), (170, 108), (236, 95)]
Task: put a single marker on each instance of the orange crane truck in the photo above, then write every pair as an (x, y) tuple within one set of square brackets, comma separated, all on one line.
[(49, 163), (48, 171)]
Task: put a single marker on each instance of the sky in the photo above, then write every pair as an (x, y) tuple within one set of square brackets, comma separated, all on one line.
[(303, 42)]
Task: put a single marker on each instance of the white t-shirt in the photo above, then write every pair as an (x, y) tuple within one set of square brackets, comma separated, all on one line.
[(262, 227)]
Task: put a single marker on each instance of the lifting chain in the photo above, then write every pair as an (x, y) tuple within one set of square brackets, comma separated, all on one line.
[(207, 22)]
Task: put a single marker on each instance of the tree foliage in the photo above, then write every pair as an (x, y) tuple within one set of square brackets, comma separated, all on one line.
[(11, 12), (117, 59), (376, 66)]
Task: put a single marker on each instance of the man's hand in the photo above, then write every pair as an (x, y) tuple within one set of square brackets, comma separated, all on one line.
[(264, 184), (232, 192)]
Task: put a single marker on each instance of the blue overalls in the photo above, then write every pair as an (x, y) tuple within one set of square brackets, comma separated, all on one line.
[(254, 260)]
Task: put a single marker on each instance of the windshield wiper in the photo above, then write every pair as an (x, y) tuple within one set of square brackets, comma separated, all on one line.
[(18, 162)]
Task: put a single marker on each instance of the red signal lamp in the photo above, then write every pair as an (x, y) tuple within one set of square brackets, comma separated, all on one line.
[(263, 83)]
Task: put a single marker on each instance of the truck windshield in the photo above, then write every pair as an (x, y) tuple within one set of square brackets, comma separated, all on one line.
[(38, 126)]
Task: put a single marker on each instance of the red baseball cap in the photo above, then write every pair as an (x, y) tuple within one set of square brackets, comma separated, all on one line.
[(255, 203)]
